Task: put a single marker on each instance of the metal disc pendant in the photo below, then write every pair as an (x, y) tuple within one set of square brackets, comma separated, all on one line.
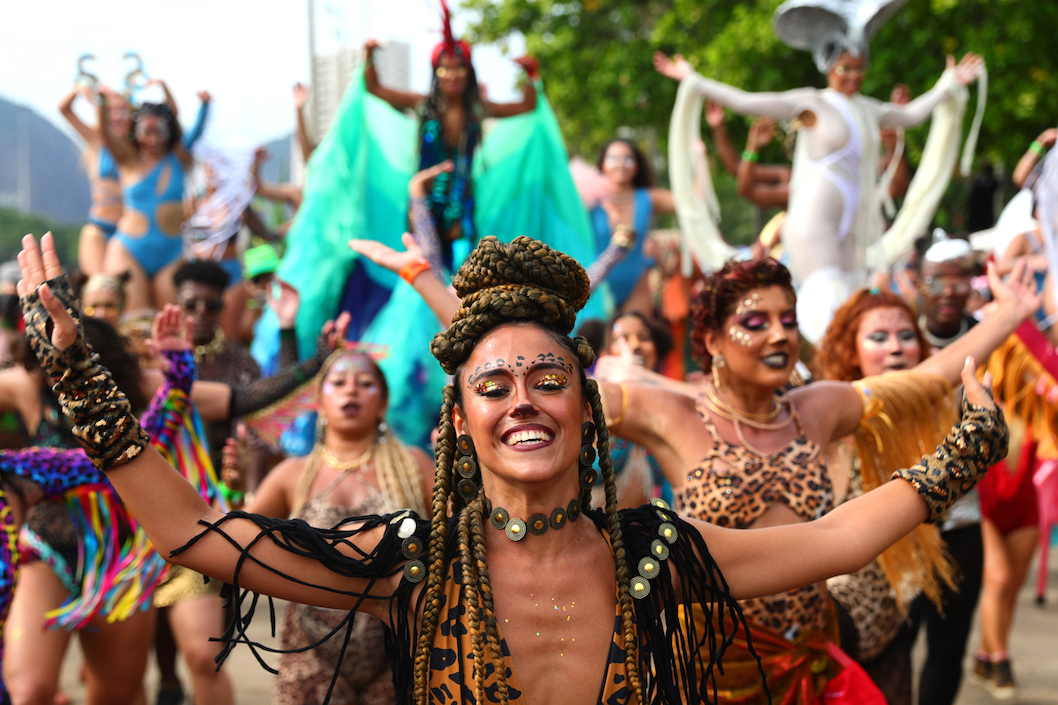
[(588, 478), (668, 532), (659, 503), (649, 568), (538, 524), (414, 571), (411, 548), (467, 489), (639, 587), (573, 510), (659, 549), (587, 433), (466, 466), (465, 445), (516, 530), (558, 517), (498, 518)]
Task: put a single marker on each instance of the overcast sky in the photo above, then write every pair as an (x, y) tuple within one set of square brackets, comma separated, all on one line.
[(248, 54)]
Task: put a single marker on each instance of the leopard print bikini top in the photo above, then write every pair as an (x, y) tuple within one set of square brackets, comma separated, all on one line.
[(734, 486)]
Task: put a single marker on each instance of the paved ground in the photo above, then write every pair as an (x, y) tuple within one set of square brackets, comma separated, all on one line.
[(1034, 647)]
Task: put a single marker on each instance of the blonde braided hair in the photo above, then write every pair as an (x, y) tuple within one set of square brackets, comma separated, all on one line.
[(528, 282), (399, 480)]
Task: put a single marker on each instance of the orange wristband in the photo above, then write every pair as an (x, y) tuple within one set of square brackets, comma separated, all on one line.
[(413, 269)]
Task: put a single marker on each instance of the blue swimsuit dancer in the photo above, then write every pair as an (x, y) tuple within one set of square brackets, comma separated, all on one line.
[(155, 248)]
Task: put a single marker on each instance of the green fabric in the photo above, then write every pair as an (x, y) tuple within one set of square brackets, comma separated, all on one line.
[(357, 187)]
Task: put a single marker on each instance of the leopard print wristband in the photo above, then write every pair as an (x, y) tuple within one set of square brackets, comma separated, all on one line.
[(961, 461), (99, 413)]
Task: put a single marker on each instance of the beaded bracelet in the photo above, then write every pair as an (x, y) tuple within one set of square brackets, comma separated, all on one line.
[(749, 156), (413, 269), (230, 496), (1037, 148)]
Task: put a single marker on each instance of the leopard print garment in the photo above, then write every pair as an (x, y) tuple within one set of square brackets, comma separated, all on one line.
[(733, 487), (867, 597), (364, 676), (452, 660)]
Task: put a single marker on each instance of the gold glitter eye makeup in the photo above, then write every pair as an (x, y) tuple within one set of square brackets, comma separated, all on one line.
[(552, 380), (488, 387)]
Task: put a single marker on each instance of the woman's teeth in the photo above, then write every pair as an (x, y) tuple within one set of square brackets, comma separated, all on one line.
[(776, 360), (522, 437)]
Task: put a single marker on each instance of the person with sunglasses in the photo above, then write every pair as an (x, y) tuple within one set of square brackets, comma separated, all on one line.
[(945, 274)]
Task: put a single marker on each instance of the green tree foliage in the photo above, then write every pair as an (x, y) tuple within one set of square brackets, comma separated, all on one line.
[(13, 225), (595, 58)]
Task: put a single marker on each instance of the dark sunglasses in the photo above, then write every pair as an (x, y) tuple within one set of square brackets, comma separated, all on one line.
[(210, 305)]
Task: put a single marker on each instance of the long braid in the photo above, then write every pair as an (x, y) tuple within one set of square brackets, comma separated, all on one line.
[(488, 610), (398, 473), (613, 521), (301, 489), (435, 557), (473, 603)]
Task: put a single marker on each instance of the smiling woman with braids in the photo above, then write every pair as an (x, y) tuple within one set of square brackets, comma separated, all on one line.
[(584, 610)]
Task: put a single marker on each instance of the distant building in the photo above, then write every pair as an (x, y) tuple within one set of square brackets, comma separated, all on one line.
[(331, 75)]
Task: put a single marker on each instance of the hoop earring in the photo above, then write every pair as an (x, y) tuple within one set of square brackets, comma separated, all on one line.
[(719, 363)]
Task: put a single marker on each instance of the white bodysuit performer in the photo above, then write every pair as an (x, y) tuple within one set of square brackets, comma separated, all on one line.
[(835, 211)]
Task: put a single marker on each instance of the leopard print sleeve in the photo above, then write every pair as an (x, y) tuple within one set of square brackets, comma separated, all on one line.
[(100, 414), (962, 459)]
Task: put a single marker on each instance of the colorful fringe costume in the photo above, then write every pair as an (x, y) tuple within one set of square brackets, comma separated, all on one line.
[(118, 568)]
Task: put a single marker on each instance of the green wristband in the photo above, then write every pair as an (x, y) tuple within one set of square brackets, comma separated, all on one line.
[(748, 156), (1037, 148)]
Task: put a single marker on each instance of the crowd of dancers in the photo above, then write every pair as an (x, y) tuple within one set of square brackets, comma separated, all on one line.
[(714, 492)]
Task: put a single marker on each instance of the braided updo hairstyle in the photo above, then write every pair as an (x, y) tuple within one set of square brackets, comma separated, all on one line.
[(723, 290), (527, 282)]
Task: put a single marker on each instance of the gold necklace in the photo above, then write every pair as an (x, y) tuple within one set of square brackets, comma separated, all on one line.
[(212, 347), (737, 418), (757, 420), (345, 466)]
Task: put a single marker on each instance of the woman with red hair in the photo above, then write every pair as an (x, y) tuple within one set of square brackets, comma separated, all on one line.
[(762, 459)]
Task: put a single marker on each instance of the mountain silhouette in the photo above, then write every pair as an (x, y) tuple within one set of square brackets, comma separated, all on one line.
[(58, 187)]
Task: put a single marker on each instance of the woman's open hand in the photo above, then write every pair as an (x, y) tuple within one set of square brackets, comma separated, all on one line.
[(968, 69), (675, 68), (38, 265), (977, 393), (386, 256), (1019, 291), (170, 330)]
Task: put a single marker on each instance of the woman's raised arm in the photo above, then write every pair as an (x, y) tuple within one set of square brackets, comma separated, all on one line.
[(786, 105), (169, 509), (759, 562)]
